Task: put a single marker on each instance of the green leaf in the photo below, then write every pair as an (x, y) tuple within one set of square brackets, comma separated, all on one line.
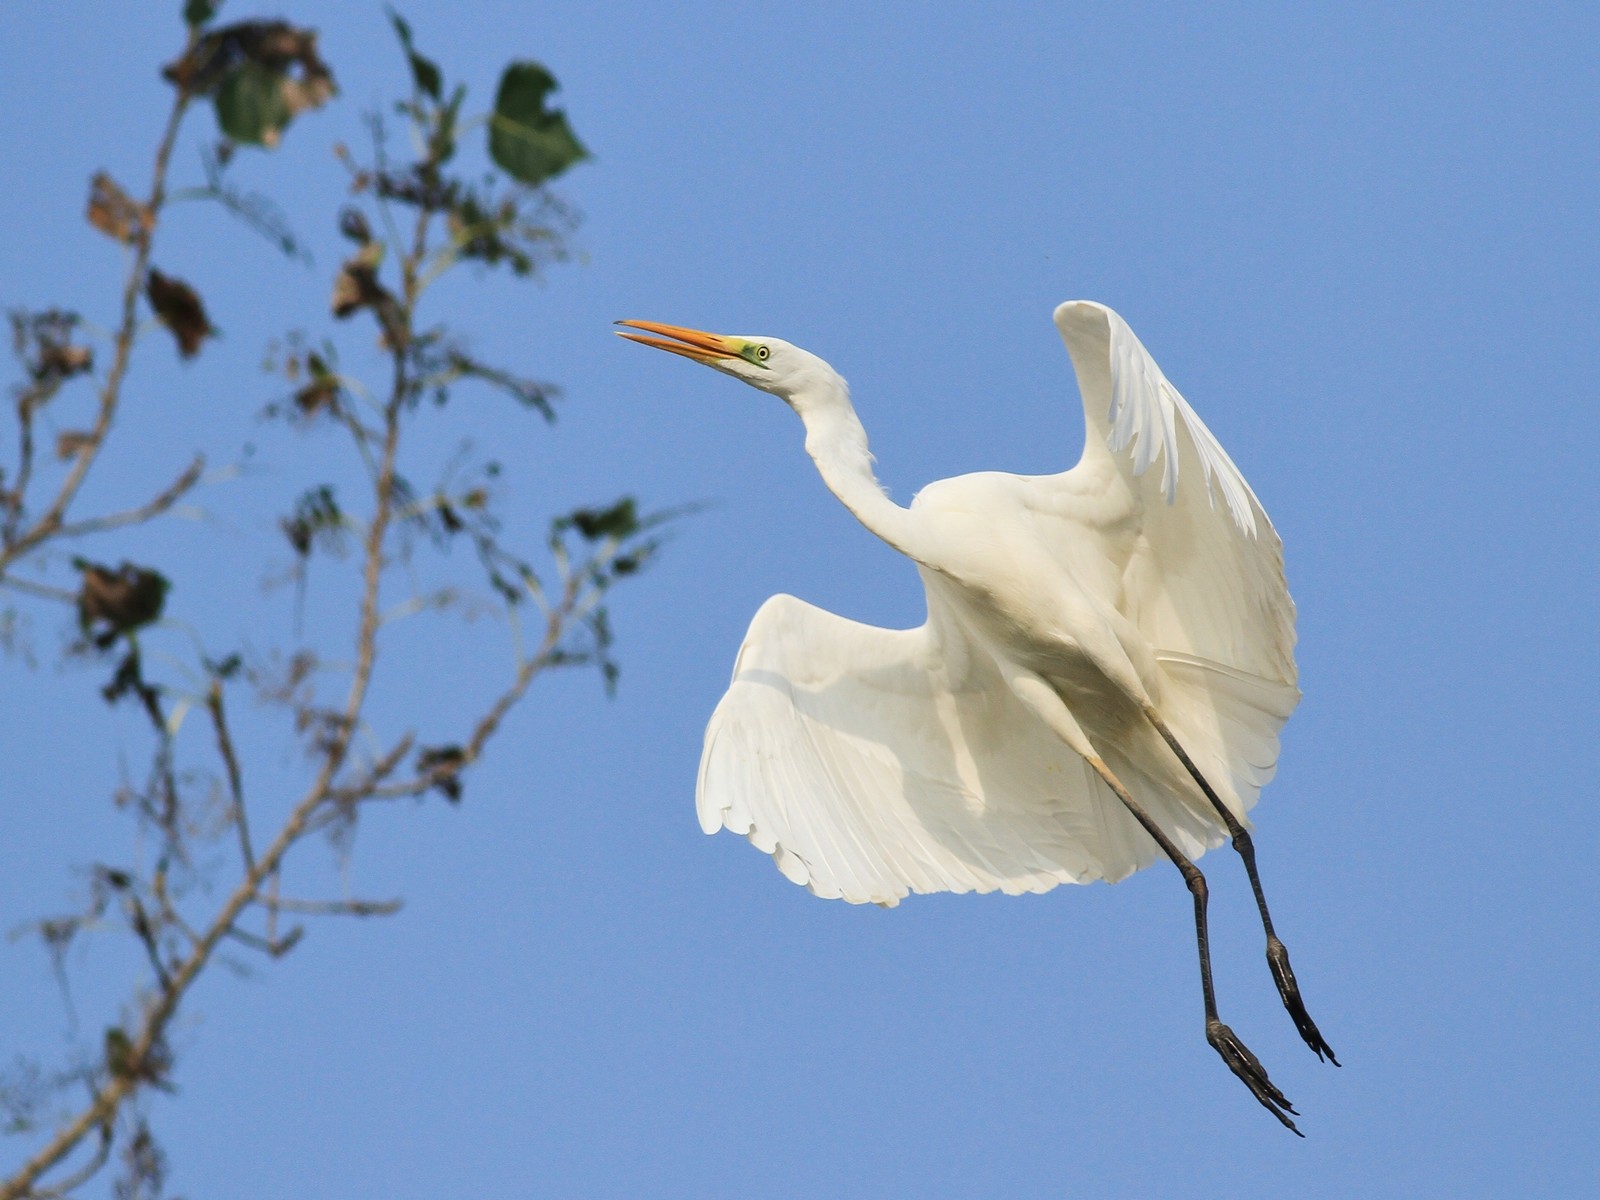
[(119, 1052), (251, 106), (199, 12), (423, 70), (443, 141), (619, 521), (526, 140)]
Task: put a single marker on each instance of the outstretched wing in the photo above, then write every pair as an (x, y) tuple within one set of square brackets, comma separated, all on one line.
[(1206, 573), (1203, 578), (871, 763)]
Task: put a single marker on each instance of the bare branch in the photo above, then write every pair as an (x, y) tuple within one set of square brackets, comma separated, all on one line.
[(85, 1173), (557, 622), (337, 908), (42, 590), (134, 516), (149, 937), (51, 520), (273, 947), (230, 762)]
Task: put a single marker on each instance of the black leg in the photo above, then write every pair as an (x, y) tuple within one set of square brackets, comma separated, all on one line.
[(1223, 1040), (1277, 953)]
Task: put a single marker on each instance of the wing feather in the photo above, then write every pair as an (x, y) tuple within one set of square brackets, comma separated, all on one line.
[(872, 763), (852, 756), (1205, 573), (1202, 580)]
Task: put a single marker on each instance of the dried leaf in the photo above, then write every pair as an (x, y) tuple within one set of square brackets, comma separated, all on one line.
[(316, 520), (115, 213), (357, 287), (443, 766), (114, 602), (67, 361), (322, 391), (178, 305), (42, 341), (260, 73), (72, 442), (353, 224)]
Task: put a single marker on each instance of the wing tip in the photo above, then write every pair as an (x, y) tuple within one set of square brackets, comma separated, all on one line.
[(1073, 316)]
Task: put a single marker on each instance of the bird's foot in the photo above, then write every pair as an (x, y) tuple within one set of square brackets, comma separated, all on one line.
[(1249, 1069), (1283, 975)]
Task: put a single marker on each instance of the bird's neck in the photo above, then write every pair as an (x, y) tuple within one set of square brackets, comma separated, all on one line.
[(837, 443)]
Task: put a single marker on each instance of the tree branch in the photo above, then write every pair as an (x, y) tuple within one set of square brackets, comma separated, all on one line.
[(50, 521), (133, 516), (230, 762)]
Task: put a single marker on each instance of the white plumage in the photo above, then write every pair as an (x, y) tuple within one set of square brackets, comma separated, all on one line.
[(1106, 663), (871, 763)]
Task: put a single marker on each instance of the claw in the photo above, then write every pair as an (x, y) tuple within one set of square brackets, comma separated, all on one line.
[(1249, 1069), (1283, 975)]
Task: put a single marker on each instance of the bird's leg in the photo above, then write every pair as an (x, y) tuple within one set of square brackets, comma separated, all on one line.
[(1044, 702), (1223, 1040), (1277, 953)]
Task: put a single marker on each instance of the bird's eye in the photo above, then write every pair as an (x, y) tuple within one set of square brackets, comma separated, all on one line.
[(763, 353)]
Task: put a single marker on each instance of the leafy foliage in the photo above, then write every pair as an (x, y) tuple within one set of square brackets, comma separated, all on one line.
[(260, 75), (199, 877)]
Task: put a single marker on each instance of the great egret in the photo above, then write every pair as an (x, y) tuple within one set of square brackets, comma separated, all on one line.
[(1107, 661)]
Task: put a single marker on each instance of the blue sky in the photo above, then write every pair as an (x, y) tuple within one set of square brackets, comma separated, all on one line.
[(1360, 238)]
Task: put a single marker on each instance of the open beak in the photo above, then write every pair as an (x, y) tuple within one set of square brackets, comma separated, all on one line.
[(691, 343)]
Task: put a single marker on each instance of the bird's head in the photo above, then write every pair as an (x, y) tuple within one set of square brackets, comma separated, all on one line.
[(771, 364)]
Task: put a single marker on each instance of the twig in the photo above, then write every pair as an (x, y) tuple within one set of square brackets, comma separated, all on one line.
[(149, 937), (230, 762), (133, 516), (50, 520), (274, 947), (81, 1176), (556, 624), (42, 590), (338, 908)]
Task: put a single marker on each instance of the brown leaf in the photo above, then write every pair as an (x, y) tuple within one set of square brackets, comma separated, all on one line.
[(114, 602), (43, 341), (70, 360), (72, 442), (178, 305), (321, 392), (357, 287), (115, 213), (310, 90), (285, 53), (275, 45)]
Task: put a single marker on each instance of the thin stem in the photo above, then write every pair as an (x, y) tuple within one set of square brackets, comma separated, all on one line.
[(574, 605), (42, 590), (133, 516), (50, 521), (230, 762), (85, 1173), (344, 908)]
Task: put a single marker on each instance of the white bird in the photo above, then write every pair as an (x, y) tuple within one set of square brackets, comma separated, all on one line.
[(1107, 661)]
